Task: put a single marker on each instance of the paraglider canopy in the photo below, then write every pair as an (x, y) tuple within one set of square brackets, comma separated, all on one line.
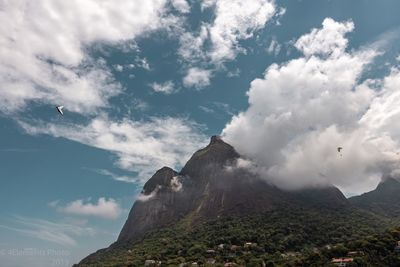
[(60, 109)]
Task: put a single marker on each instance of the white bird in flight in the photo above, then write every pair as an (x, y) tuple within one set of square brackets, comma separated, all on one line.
[(59, 109)]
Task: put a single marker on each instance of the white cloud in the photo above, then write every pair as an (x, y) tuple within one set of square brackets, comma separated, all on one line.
[(167, 87), (223, 107), (140, 146), (143, 63), (54, 203), (197, 77), (208, 3), (219, 109), (43, 44), (241, 163), (104, 208), (244, 163), (143, 198), (181, 5), (236, 20), (219, 41), (384, 111), (233, 73), (274, 48), (328, 41), (139, 104), (55, 232), (119, 68), (191, 45), (302, 110), (119, 178), (206, 109), (176, 184)]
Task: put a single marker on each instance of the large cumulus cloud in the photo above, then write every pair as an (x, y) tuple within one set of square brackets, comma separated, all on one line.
[(302, 110)]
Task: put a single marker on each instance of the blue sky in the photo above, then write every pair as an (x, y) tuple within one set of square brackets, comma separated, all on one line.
[(145, 85)]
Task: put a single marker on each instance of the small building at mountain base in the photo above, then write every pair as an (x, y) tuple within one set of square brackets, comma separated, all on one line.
[(342, 262)]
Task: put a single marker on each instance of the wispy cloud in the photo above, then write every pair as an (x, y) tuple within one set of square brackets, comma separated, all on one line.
[(196, 77), (224, 107), (274, 47), (218, 108), (143, 198), (181, 5), (219, 41), (104, 208), (55, 232), (167, 87), (141, 146), (119, 178), (234, 21), (206, 109), (140, 104)]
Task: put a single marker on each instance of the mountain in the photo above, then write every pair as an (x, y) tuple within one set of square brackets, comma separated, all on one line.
[(213, 200), (204, 189), (210, 186), (150, 214), (384, 200)]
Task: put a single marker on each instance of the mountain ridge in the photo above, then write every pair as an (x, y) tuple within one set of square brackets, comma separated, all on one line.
[(211, 189), (384, 199)]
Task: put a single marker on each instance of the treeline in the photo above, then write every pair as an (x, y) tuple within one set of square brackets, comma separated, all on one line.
[(289, 237), (372, 250)]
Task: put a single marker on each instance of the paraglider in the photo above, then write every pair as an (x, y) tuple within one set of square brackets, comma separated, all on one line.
[(339, 149), (59, 109)]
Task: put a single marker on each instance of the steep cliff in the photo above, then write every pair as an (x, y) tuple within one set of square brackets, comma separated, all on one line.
[(211, 185)]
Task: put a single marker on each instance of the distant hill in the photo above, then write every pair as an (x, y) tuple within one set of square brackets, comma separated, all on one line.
[(212, 201), (384, 200)]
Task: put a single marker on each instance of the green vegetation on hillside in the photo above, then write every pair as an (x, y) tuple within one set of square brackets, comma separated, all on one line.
[(288, 237), (372, 250)]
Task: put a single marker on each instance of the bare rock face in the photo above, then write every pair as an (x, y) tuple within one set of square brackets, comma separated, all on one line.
[(152, 209), (209, 186), (169, 196)]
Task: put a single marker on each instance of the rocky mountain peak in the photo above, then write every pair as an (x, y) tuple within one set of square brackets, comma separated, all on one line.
[(162, 177), (215, 139), (204, 190), (215, 154)]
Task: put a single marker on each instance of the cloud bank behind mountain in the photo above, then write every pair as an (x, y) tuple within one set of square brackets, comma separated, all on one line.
[(303, 109)]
